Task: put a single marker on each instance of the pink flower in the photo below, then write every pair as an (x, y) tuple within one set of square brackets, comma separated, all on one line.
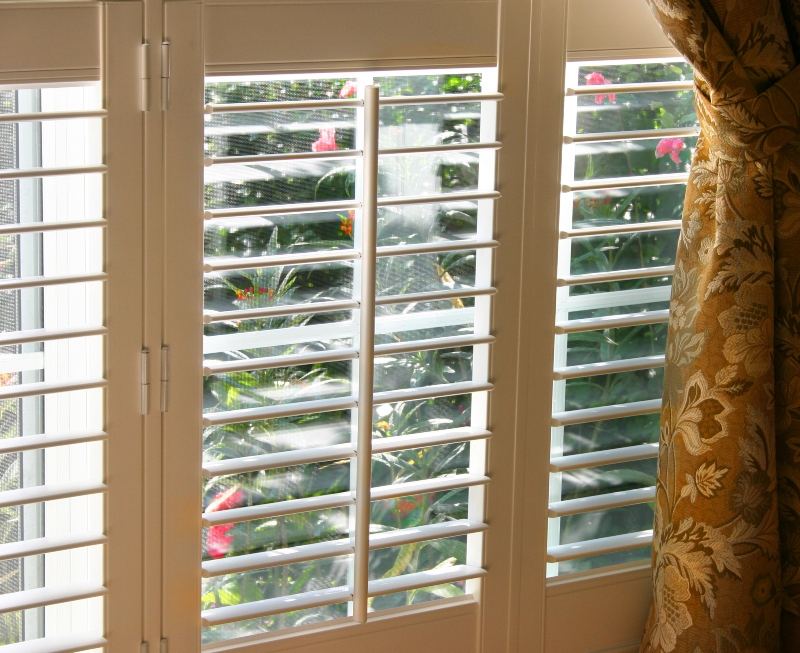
[(218, 538), (326, 141), (671, 146), (597, 79), (348, 90)]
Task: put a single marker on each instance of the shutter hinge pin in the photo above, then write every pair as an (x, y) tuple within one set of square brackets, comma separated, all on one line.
[(144, 76), (144, 383), (164, 378), (165, 74)]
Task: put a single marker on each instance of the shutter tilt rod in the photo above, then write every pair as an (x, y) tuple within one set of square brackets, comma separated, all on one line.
[(366, 362)]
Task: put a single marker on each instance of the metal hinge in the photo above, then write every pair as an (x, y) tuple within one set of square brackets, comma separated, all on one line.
[(162, 648), (164, 378), (144, 383), (144, 76), (165, 73)]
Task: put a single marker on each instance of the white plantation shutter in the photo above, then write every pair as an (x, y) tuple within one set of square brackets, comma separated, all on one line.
[(70, 326), (456, 318), (250, 333)]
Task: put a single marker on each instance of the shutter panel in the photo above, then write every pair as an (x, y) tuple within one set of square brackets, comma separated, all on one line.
[(629, 130), (69, 427), (315, 395)]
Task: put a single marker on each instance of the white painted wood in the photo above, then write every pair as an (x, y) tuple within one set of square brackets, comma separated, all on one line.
[(614, 29), (50, 42), (390, 33), (619, 600)]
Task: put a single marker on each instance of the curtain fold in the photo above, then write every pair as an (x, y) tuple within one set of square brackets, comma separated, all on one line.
[(726, 554)]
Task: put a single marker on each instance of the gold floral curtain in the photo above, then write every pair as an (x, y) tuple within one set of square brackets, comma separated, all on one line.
[(727, 527)]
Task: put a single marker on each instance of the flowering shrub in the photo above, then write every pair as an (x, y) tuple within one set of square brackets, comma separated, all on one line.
[(326, 141), (672, 147), (219, 540), (598, 79), (348, 90)]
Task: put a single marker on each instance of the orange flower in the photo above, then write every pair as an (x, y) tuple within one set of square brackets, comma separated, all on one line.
[(346, 223)]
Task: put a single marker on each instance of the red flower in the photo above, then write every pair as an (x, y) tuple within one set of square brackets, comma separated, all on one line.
[(671, 146), (346, 223), (348, 90), (218, 538), (326, 141), (598, 79), (407, 506)]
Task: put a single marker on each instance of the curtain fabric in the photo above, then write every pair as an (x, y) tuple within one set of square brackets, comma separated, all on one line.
[(726, 576)]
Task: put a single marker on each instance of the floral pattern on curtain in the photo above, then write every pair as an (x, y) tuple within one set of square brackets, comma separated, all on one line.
[(726, 576)]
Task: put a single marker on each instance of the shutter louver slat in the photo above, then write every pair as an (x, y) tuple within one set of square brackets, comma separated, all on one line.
[(601, 502), (266, 607), (51, 115), (610, 367), (43, 227), (617, 275), (614, 183), (45, 335), (60, 644), (424, 579), (27, 599), (640, 134), (44, 545), (604, 457), (49, 492), (30, 442), (608, 230), (53, 280), (616, 411), (600, 546), (612, 322), (46, 388), (27, 173)]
